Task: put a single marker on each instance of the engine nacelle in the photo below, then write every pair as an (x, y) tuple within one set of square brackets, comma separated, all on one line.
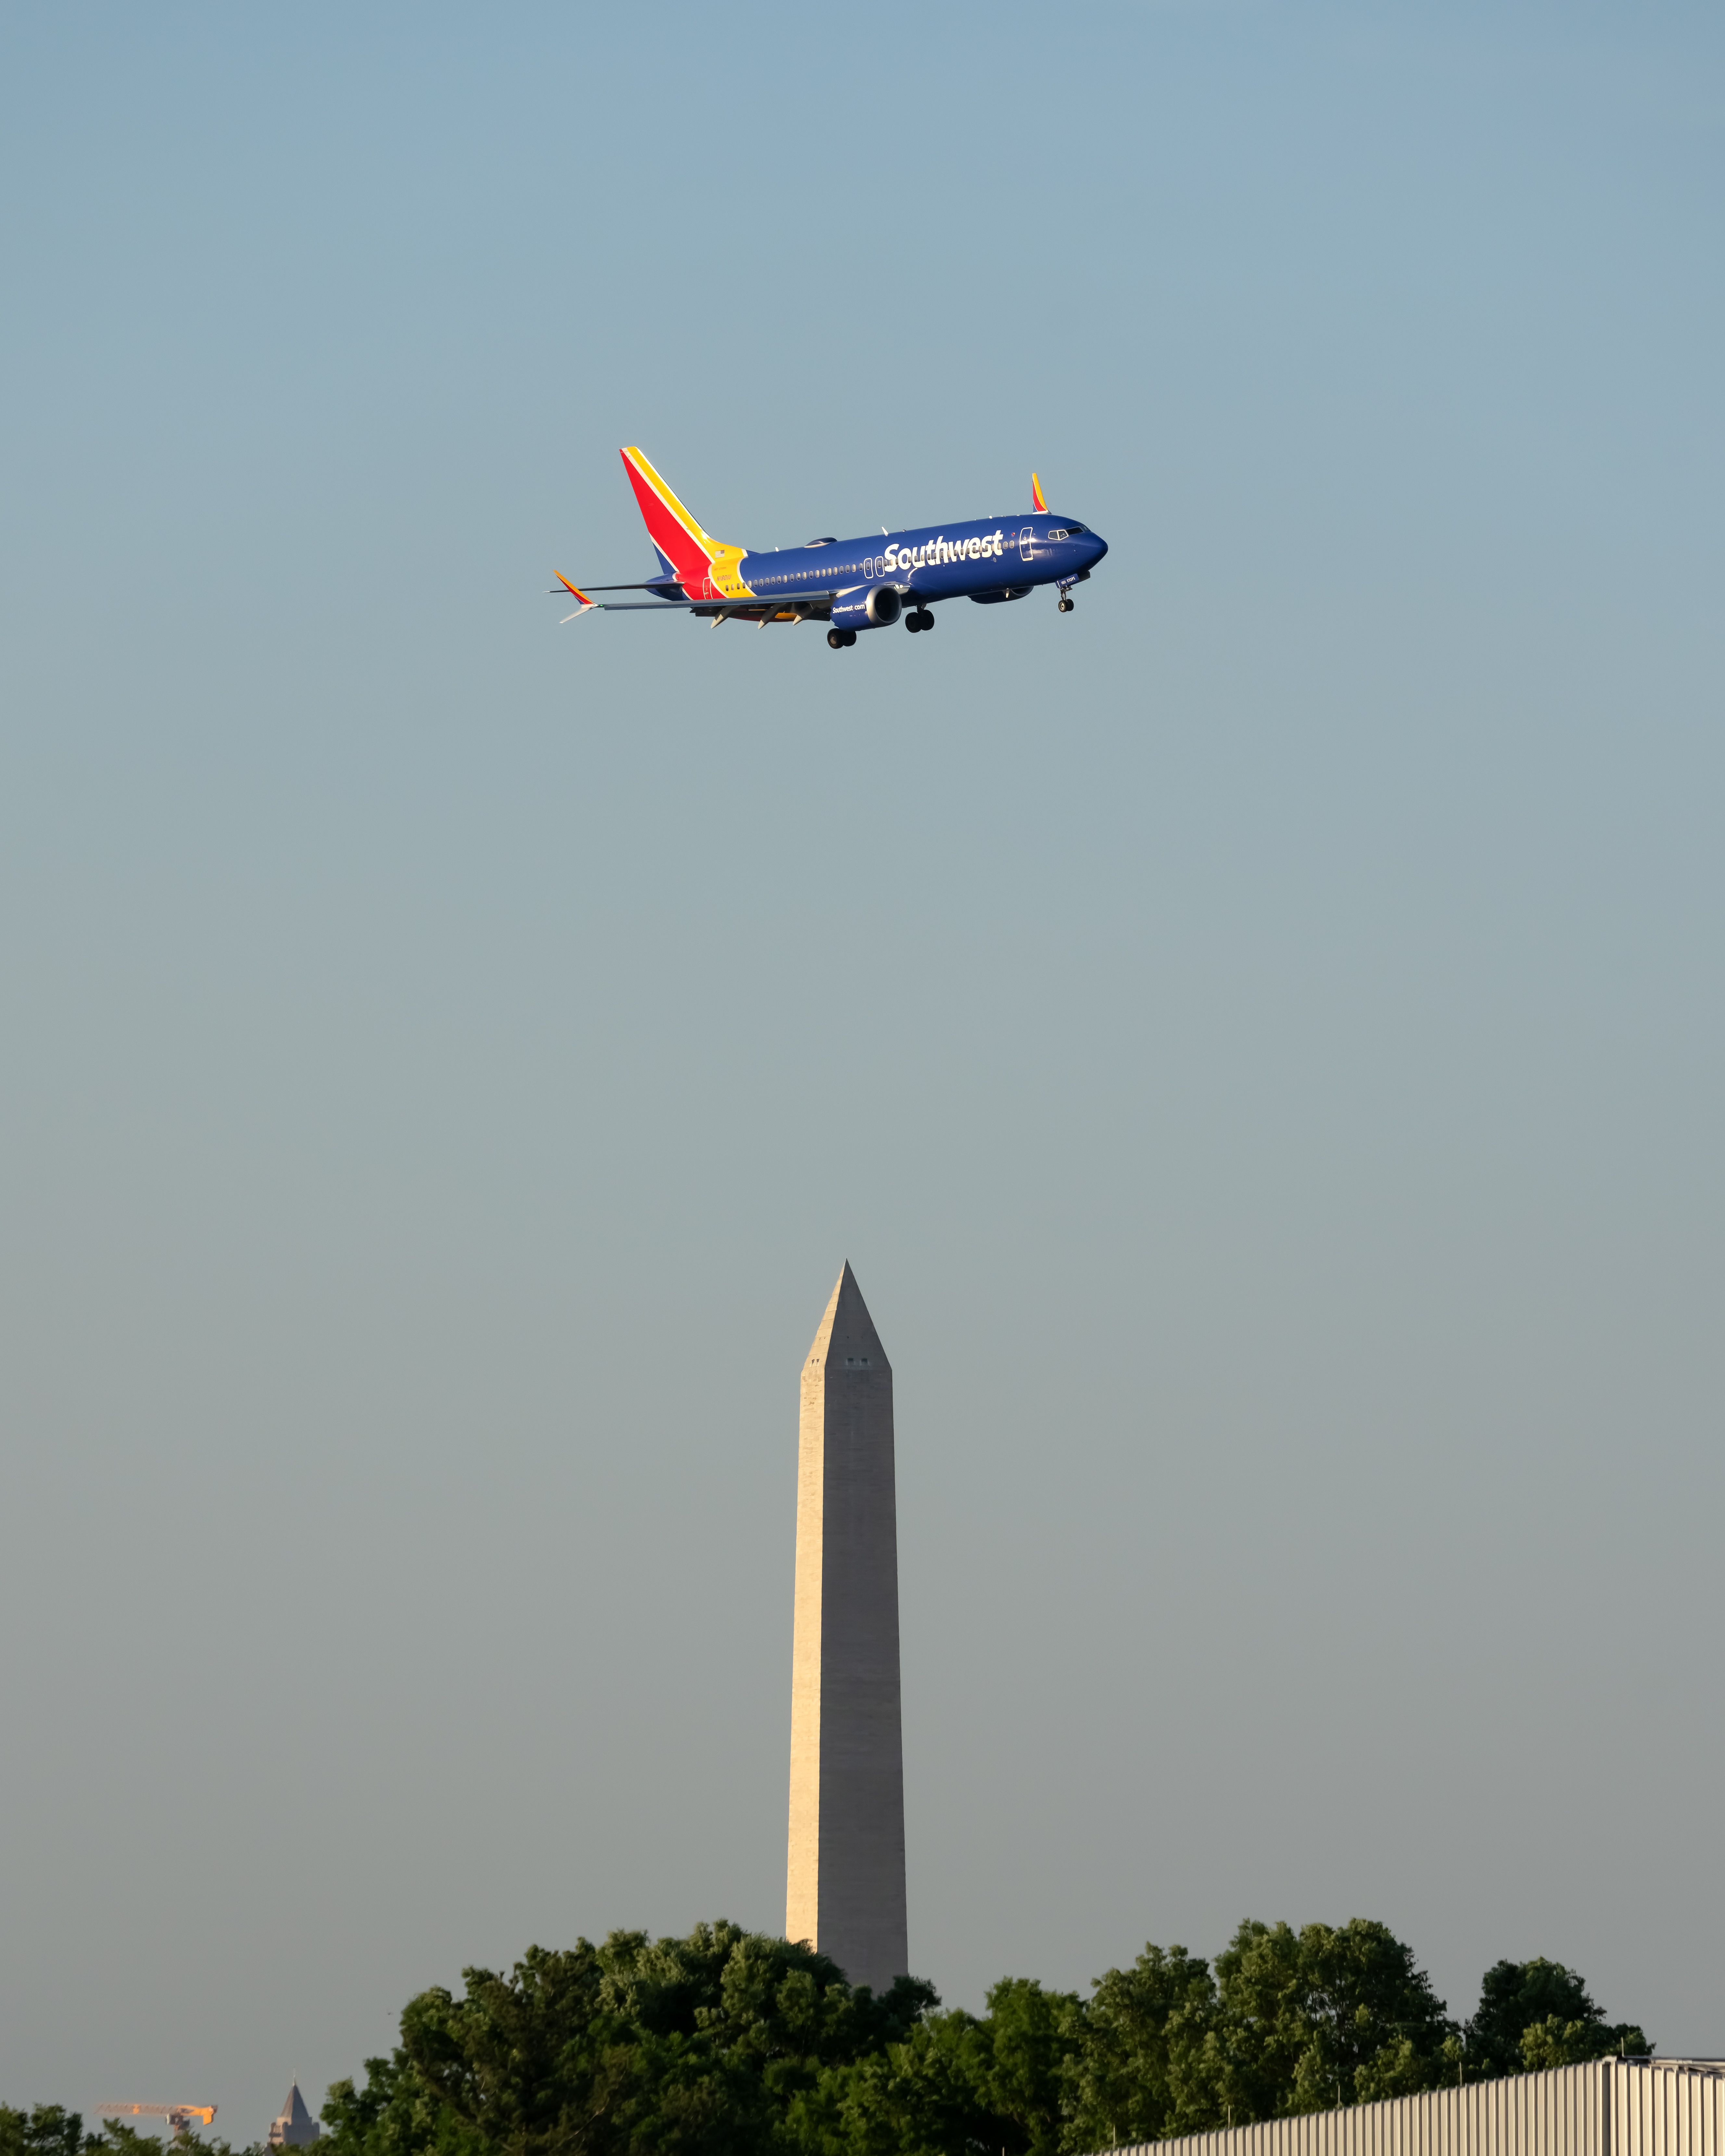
[(877, 608)]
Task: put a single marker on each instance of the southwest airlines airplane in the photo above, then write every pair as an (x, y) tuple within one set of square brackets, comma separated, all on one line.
[(851, 583)]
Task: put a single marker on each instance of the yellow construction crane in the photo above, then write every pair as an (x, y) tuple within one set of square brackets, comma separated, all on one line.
[(179, 2116)]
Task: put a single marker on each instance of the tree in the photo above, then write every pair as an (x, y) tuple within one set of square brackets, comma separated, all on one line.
[(1034, 2037), (48, 2129), (1535, 2014), (920, 2098), (1146, 2067), (680, 2047), (395, 2113), (955, 2084), (45, 2129), (1322, 2017)]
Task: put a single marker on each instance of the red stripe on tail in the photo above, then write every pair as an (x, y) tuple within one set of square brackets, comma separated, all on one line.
[(667, 531)]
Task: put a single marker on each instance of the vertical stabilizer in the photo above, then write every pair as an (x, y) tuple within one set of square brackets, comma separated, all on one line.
[(702, 565)]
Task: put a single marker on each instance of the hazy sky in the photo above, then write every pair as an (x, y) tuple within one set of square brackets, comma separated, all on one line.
[(1260, 1038)]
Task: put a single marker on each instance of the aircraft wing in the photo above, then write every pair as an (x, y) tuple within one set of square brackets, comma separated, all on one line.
[(759, 599), (780, 602)]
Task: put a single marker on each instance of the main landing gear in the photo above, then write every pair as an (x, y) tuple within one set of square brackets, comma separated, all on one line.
[(841, 639), (922, 619)]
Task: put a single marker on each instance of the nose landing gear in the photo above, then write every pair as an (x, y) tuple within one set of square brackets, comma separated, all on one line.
[(1066, 584)]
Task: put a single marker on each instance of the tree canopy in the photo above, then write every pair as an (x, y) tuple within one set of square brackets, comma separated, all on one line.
[(45, 2129), (49, 2129), (729, 2043), (1534, 2015), (681, 2048)]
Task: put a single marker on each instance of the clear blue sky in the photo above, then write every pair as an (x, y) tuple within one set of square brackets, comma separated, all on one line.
[(1259, 1039)]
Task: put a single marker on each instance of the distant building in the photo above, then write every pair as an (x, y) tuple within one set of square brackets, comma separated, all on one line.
[(296, 2127), (1610, 2107)]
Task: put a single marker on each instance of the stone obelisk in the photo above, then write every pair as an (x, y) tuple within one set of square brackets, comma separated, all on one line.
[(844, 1877)]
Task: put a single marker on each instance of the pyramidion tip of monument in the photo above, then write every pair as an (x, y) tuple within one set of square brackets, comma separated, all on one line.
[(847, 1339)]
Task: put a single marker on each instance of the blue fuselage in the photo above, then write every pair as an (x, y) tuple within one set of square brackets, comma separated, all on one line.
[(988, 560)]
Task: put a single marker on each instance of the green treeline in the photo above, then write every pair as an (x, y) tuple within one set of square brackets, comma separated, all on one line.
[(49, 2129), (729, 2043)]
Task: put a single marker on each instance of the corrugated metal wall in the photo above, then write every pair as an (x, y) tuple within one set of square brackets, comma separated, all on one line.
[(1610, 2107)]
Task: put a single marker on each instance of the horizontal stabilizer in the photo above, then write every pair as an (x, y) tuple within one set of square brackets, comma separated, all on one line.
[(586, 605), (667, 587)]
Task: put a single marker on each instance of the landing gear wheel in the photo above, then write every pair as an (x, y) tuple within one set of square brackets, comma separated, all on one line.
[(835, 636), (922, 619), (849, 637), (1066, 606)]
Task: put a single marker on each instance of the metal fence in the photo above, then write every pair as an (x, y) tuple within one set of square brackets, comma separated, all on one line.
[(1608, 2107)]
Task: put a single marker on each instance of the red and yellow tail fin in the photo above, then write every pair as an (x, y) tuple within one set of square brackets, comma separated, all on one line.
[(1036, 495), (690, 549)]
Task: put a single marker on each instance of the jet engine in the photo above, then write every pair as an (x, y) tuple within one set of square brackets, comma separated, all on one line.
[(877, 608)]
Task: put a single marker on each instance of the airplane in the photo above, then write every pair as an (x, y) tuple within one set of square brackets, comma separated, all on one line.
[(852, 584)]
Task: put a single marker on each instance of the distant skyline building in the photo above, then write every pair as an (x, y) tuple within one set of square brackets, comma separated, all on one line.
[(295, 2127), (1644, 2107), (844, 1873)]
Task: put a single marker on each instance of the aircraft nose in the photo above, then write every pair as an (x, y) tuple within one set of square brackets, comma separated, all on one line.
[(1095, 547)]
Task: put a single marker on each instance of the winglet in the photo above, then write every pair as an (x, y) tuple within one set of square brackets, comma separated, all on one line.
[(1036, 495), (586, 605)]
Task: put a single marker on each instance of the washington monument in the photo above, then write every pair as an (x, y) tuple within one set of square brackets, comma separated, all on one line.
[(844, 1877)]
